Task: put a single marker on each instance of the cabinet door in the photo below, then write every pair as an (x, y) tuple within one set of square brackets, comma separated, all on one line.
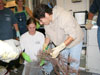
[(92, 37), (93, 59)]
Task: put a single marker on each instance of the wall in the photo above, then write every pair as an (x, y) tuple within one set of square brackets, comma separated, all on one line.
[(79, 6), (30, 4)]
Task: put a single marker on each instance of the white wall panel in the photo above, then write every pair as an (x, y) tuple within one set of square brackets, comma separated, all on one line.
[(79, 6), (93, 59), (92, 37)]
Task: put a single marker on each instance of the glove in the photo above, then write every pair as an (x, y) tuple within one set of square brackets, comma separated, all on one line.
[(18, 34), (37, 25), (26, 57), (57, 50), (45, 47), (89, 24), (42, 62)]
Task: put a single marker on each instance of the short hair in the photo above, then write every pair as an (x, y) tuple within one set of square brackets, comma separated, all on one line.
[(4, 2), (40, 10), (16, 1), (31, 20)]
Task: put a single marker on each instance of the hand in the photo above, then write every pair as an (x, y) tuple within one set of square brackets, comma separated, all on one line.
[(18, 34), (45, 47), (89, 24), (57, 50)]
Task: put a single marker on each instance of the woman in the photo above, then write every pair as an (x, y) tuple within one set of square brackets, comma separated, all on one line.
[(32, 42), (21, 13)]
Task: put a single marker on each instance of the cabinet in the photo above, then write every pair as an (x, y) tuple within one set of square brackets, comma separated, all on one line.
[(92, 52)]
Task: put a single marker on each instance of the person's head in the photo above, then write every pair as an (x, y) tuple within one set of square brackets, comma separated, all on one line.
[(20, 2), (31, 25), (2, 3), (43, 14)]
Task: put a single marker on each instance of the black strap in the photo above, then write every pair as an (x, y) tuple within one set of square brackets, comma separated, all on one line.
[(23, 8), (15, 9)]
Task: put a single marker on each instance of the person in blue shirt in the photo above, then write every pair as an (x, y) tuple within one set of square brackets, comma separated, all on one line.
[(7, 20), (94, 8)]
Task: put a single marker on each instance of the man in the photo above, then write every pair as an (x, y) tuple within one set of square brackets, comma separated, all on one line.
[(63, 30), (95, 7), (8, 48), (7, 20)]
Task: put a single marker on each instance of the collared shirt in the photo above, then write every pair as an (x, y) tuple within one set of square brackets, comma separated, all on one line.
[(62, 26)]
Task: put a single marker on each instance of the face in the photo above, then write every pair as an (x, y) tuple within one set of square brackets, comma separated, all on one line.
[(46, 20), (1, 5), (20, 2), (31, 28)]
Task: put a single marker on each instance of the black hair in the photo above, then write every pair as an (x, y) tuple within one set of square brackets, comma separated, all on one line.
[(40, 10), (31, 20)]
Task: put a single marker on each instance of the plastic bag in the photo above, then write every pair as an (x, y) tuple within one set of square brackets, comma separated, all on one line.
[(9, 50)]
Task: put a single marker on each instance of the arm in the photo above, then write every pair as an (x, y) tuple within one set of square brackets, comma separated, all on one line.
[(89, 21), (29, 12), (47, 40), (17, 30), (59, 48), (14, 22), (16, 27), (90, 16), (45, 47), (24, 54), (68, 40), (93, 9)]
